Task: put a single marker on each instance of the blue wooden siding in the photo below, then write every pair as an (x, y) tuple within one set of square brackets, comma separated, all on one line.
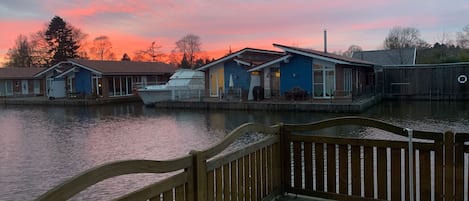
[(241, 78), (83, 81), (296, 73)]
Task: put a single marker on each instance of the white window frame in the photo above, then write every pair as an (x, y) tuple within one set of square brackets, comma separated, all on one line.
[(324, 67)]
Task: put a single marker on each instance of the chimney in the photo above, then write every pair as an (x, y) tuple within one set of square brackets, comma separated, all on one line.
[(325, 41)]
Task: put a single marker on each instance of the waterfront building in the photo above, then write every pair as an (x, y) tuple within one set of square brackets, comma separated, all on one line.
[(294, 73), (101, 79), (15, 81)]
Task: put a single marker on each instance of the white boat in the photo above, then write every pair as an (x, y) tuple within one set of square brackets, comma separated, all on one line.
[(183, 84)]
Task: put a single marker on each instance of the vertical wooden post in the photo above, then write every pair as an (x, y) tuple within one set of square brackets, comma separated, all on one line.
[(449, 161), (458, 168), (200, 177), (284, 167)]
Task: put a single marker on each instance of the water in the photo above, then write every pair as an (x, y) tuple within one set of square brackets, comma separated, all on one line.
[(42, 146)]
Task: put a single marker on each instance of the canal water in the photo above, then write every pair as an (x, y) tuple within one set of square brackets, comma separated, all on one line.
[(40, 146)]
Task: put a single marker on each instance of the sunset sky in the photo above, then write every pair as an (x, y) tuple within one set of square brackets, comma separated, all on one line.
[(133, 25)]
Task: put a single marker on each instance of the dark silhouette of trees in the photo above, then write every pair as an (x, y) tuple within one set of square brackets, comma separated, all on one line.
[(152, 53), (60, 37), (20, 54), (189, 46), (125, 57), (101, 49), (404, 37)]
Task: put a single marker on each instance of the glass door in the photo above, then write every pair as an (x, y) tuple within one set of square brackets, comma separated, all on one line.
[(323, 81)]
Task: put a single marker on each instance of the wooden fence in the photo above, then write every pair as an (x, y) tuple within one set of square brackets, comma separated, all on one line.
[(289, 161)]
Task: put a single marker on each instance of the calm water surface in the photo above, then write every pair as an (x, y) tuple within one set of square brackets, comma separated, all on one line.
[(42, 146)]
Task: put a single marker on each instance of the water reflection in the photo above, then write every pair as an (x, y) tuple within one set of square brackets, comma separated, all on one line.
[(41, 146)]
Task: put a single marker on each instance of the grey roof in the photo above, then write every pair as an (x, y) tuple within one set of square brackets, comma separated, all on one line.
[(405, 56)]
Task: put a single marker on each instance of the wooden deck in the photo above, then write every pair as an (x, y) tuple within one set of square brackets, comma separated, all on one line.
[(289, 162)]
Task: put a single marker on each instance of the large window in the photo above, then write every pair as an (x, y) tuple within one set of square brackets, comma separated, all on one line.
[(120, 86), (347, 80), (323, 81)]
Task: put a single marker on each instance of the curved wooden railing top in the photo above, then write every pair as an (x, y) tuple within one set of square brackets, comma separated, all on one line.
[(236, 133), (76, 184), (363, 121)]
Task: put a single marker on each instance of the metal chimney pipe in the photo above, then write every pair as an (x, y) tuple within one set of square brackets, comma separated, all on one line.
[(325, 41)]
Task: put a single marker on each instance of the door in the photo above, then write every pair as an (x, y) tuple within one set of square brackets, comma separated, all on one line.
[(37, 87), (24, 87), (56, 88), (216, 81), (347, 81)]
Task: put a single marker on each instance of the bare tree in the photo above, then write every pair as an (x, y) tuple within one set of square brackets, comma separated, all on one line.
[(353, 48), (404, 37), (444, 39), (101, 49), (40, 54), (462, 38), (152, 53), (189, 46), (20, 54)]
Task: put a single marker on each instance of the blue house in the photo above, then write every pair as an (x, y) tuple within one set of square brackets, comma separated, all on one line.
[(235, 67), (102, 79), (319, 74)]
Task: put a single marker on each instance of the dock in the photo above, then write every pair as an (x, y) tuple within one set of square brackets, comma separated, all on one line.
[(290, 165), (344, 106)]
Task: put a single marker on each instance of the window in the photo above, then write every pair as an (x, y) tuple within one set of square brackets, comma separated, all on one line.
[(347, 80), (120, 86), (323, 81)]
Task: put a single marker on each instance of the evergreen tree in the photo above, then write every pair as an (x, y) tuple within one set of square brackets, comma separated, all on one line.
[(125, 57), (185, 63), (60, 38)]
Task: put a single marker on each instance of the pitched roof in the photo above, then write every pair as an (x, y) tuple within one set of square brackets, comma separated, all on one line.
[(405, 56), (18, 73), (325, 56), (125, 67), (238, 55), (116, 67)]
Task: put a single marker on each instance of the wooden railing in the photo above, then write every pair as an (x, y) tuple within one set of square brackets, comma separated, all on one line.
[(289, 161)]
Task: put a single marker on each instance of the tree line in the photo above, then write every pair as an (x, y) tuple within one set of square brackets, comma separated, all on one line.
[(445, 50), (59, 41)]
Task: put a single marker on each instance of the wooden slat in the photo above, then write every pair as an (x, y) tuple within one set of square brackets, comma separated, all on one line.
[(168, 195), (356, 171), (368, 170), (234, 181), (319, 155), (253, 177), (308, 157), (343, 169), (156, 198), (382, 173), (264, 171), (247, 178), (180, 196), (240, 179), (226, 182), (439, 171), (331, 169), (276, 171), (269, 170), (286, 168), (396, 191), (297, 165), (218, 184), (210, 185), (449, 161), (425, 176), (258, 174), (406, 172), (459, 171)]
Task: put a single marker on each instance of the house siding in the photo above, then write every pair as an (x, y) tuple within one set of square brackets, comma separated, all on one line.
[(83, 81), (301, 67), (241, 78)]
